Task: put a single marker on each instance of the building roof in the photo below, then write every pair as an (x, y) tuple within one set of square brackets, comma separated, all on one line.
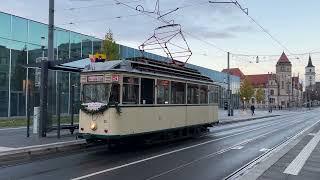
[(310, 62), (234, 72), (259, 80), (283, 59)]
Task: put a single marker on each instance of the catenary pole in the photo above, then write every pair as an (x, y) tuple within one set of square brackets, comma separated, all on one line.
[(44, 74), (229, 91)]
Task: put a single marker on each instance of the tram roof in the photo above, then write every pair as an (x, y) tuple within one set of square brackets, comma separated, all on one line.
[(145, 65)]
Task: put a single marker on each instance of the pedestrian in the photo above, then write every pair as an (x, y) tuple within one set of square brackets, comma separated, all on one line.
[(252, 109)]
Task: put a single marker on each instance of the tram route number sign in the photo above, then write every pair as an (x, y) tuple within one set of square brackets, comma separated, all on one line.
[(95, 78), (115, 78)]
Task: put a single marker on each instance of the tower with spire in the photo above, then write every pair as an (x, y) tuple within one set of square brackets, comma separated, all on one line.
[(310, 74), (284, 80)]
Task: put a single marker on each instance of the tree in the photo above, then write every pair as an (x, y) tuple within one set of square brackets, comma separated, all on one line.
[(246, 90), (109, 47), (260, 95)]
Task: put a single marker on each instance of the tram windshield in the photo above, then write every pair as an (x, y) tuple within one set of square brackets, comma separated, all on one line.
[(96, 93)]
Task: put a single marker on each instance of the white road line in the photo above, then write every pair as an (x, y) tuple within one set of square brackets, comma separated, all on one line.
[(312, 134), (296, 165), (264, 150), (174, 151), (5, 148), (237, 147), (8, 129)]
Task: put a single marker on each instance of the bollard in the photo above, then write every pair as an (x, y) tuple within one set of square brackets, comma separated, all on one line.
[(36, 118)]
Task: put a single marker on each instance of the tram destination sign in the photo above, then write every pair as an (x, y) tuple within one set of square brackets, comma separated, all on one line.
[(95, 78)]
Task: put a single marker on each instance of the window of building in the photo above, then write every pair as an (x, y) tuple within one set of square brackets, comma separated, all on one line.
[(147, 91), (309, 70), (130, 90), (5, 30), (193, 94), (203, 94), (178, 93), (63, 39), (282, 85), (86, 46), (271, 92), (310, 78), (75, 45), (163, 92)]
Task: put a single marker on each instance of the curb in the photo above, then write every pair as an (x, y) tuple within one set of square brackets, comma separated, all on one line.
[(29, 151), (244, 120)]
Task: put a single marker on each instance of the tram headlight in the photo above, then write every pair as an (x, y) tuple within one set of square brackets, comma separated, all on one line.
[(93, 126)]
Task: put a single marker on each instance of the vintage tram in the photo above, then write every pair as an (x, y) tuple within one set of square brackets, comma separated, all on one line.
[(145, 99)]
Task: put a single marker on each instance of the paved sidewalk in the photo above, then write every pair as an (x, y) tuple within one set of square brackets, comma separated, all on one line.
[(16, 138), (240, 115), (300, 162)]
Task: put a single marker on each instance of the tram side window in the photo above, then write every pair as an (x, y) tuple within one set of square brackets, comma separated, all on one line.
[(213, 94), (130, 90), (203, 94), (115, 93), (193, 94), (147, 91), (163, 92), (178, 93)]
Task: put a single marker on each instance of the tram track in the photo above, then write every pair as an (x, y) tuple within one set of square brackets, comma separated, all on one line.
[(242, 170), (297, 120), (223, 151)]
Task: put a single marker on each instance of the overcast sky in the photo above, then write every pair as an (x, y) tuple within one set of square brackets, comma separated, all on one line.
[(294, 23)]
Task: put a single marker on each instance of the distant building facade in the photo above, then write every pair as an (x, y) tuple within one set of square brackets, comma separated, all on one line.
[(280, 89)]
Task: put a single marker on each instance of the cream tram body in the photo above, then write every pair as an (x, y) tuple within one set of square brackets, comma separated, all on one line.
[(149, 103)]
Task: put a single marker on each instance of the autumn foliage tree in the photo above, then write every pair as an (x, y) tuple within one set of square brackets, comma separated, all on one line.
[(260, 95), (109, 47), (246, 90)]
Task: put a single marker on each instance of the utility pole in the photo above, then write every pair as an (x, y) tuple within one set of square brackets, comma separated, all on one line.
[(229, 90), (44, 75)]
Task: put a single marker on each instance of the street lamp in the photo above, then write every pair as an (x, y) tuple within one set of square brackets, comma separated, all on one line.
[(43, 45), (244, 99)]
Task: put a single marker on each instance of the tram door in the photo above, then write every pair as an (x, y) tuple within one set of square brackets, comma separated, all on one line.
[(147, 91)]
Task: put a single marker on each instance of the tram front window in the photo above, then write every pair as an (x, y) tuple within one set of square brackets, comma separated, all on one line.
[(96, 93)]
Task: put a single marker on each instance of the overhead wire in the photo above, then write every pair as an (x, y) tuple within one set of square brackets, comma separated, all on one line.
[(166, 22)]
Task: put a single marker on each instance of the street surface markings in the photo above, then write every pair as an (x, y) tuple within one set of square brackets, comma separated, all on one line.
[(312, 134), (185, 148), (237, 147), (264, 150), (296, 165), (5, 148)]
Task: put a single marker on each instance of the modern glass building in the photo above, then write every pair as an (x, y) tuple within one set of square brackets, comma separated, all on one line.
[(20, 45)]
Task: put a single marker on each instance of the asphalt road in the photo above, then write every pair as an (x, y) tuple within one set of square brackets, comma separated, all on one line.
[(214, 156)]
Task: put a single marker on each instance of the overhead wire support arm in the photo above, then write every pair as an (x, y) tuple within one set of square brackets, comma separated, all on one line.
[(245, 10)]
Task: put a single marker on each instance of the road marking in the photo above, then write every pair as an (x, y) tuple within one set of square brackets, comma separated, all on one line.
[(237, 147), (312, 134), (5, 148), (178, 150), (296, 165), (8, 129), (264, 150)]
